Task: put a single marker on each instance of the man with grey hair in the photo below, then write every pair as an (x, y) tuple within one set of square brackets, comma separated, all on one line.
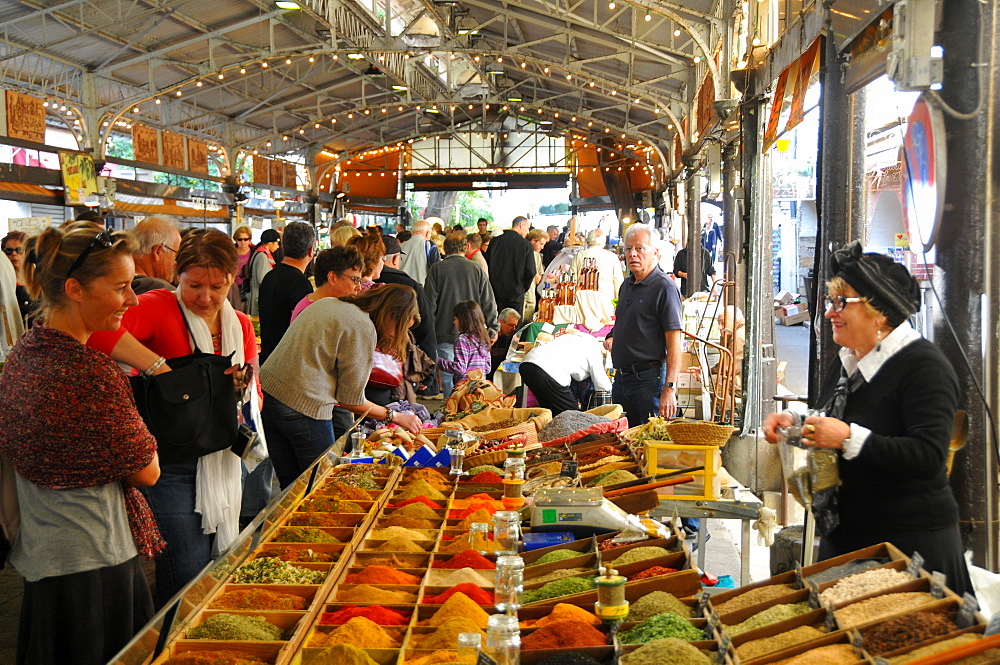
[(609, 267), (158, 239), (419, 253), (285, 286), (647, 331), (509, 320), (552, 247), (512, 265)]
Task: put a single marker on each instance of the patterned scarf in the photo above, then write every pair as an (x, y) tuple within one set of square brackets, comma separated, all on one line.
[(91, 433), (845, 386)]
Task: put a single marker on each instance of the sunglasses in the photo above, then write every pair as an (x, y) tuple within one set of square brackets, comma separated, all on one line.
[(839, 302), (102, 239), (243, 240), (11, 251)]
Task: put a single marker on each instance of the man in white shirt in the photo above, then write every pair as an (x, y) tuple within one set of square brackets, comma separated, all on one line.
[(550, 368), (419, 253)]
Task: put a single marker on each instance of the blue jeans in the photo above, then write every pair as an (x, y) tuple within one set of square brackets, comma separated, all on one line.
[(446, 350), (257, 490), (294, 440), (637, 393), (188, 550)]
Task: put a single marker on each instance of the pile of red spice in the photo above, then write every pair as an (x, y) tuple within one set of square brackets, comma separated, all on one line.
[(485, 477), (477, 594), (383, 616), (609, 544), (381, 575), (474, 503), (603, 451), (466, 559), (654, 571), (418, 499), (564, 634)]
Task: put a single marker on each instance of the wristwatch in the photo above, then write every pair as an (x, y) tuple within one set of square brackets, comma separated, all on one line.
[(669, 384)]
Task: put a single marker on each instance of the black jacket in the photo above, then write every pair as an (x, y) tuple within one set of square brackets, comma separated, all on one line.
[(512, 265), (424, 332)]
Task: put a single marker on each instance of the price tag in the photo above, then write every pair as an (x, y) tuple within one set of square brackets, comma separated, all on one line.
[(993, 627), (830, 620), (570, 468), (713, 623), (699, 607), (857, 640), (720, 655), (814, 601), (483, 659), (938, 582), (800, 580), (916, 563), (967, 613)]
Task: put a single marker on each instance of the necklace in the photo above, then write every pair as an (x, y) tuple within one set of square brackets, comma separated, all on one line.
[(217, 340)]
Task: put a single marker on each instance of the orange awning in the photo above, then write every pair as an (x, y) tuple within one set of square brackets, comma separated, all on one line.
[(169, 208)]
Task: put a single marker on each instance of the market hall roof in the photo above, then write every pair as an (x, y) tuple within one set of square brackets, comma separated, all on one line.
[(244, 73)]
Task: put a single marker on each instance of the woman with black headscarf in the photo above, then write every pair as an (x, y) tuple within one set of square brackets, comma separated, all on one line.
[(890, 399)]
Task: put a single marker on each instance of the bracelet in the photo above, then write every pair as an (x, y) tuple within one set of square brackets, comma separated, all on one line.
[(388, 414), (155, 366)]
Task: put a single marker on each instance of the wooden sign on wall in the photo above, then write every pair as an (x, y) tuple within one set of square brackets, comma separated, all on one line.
[(290, 175), (173, 150), (145, 144), (197, 156), (277, 173), (261, 170), (25, 117)]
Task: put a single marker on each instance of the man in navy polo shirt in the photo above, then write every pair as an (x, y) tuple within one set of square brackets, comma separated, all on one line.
[(647, 331)]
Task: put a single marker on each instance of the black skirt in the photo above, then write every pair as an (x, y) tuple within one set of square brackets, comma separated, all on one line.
[(83, 618), (941, 548)]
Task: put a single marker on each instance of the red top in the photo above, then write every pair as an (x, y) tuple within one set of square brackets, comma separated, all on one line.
[(158, 324)]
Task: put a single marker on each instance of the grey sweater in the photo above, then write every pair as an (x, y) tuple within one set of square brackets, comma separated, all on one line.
[(323, 359)]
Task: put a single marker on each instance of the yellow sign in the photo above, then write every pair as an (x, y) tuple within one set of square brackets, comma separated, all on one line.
[(902, 241), (79, 177)]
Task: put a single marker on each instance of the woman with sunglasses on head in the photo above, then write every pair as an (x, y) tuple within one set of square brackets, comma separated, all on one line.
[(325, 359), (78, 449), (890, 400), (243, 238), (13, 247), (197, 501)]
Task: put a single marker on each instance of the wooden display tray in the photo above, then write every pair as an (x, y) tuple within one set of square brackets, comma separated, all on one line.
[(534, 656), (417, 572), (944, 605), (368, 546), (707, 645), (316, 628), (581, 545), (267, 651), (682, 584), (380, 656), (307, 591), (350, 520), (590, 561), (380, 523), (329, 608), (839, 637), (414, 559), (411, 589)]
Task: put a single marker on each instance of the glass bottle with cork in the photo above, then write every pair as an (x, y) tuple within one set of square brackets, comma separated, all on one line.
[(513, 479)]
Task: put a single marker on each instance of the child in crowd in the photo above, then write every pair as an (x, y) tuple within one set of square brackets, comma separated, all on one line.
[(472, 347)]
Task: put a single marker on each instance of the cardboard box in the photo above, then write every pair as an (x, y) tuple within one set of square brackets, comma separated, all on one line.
[(790, 310), (785, 297), (794, 319)]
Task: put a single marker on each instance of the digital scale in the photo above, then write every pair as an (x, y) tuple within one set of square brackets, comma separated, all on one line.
[(581, 511)]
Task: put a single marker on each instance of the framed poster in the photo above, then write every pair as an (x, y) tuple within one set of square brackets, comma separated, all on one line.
[(145, 144), (25, 117), (79, 176), (197, 156), (173, 150)]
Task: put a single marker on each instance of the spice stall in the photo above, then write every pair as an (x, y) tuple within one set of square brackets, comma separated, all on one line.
[(373, 563)]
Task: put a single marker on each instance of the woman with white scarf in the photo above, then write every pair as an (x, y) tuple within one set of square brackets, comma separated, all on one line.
[(197, 502)]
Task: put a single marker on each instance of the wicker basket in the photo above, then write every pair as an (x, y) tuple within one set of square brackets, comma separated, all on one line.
[(610, 411), (700, 433), (495, 458)]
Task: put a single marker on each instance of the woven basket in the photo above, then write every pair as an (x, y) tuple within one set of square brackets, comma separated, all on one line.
[(610, 411), (495, 458), (526, 428), (700, 433)]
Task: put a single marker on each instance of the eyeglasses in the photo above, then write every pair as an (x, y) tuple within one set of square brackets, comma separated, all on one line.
[(169, 248), (243, 240), (11, 251), (103, 239), (356, 280), (839, 302)]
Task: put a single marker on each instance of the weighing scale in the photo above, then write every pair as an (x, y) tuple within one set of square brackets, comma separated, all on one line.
[(581, 510)]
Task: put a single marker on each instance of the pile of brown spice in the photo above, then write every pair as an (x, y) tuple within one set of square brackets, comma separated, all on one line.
[(359, 631), (367, 594), (257, 599)]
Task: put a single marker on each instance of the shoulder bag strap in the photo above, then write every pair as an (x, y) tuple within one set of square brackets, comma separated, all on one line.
[(188, 327)]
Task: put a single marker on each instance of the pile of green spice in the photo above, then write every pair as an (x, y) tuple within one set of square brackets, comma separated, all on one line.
[(326, 504), (667, 651), (657, 602), (226, 626), (761, 594), (554, 555), (562, 587), (638, 554), (485, 468), (267, 570), (660, 626), (613, 478), (362, 476), (773, 614), (559, 574), (304, 534)]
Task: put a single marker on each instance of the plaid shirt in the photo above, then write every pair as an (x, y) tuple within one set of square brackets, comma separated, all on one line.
[(470, 354)]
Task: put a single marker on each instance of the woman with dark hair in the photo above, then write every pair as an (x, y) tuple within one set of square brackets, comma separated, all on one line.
[(890, 400), (13, 246), (197, 502), (78, 449), (324, 360)]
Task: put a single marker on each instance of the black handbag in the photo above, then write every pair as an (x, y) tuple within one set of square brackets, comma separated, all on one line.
[(191, 410)]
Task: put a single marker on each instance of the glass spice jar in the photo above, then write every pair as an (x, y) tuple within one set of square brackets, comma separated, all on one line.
[(469, 646), (508, 584), (506, 532), (503, 639), (479, 537)]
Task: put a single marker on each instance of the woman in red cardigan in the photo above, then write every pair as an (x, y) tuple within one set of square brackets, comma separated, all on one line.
[(197, 502)]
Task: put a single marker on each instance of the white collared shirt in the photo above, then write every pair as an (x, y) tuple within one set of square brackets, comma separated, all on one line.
[(869, 366)]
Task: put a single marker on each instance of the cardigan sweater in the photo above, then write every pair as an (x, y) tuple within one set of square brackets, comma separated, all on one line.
[(899, 482), (323, 360)]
